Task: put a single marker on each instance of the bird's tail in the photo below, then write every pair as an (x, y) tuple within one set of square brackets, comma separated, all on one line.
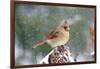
[(39, 43)]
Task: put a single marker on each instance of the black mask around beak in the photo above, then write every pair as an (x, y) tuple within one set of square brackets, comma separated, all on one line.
[(66, 28)]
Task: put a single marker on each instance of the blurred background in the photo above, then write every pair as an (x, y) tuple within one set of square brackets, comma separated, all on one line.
[(34, 22)]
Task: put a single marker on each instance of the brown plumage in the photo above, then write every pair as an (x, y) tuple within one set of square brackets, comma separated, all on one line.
[(59, 36)]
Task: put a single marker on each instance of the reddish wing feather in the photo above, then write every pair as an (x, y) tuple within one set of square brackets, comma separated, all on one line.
[(51, 35)]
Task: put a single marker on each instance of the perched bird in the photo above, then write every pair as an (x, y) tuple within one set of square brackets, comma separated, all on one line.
[(57, 37)]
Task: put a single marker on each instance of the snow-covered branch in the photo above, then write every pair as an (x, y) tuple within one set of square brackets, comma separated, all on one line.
[(60, 54)]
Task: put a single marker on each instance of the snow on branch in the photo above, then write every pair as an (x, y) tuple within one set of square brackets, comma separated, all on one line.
[(60, 54)]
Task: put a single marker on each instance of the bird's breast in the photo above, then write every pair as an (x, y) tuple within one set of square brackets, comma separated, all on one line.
[(61, 39)]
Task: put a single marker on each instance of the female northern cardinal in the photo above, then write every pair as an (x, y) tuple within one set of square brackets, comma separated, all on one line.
[(59, 36)]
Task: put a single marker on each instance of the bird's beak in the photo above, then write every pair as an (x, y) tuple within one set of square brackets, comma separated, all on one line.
[(68, 29)]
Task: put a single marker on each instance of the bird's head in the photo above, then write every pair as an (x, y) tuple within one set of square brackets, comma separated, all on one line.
[(65, 26)]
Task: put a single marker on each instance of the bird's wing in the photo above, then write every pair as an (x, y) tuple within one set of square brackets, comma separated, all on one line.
[(52, 35)]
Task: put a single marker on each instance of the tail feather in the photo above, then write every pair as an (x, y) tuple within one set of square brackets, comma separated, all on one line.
[(39, 43)]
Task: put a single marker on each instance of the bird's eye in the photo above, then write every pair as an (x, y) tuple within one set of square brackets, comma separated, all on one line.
[(65, 27)]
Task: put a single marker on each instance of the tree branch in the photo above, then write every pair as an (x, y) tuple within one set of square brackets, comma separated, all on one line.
[(60, 54)]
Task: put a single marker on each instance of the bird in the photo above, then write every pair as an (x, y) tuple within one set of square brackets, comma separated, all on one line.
[(59, 36)]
